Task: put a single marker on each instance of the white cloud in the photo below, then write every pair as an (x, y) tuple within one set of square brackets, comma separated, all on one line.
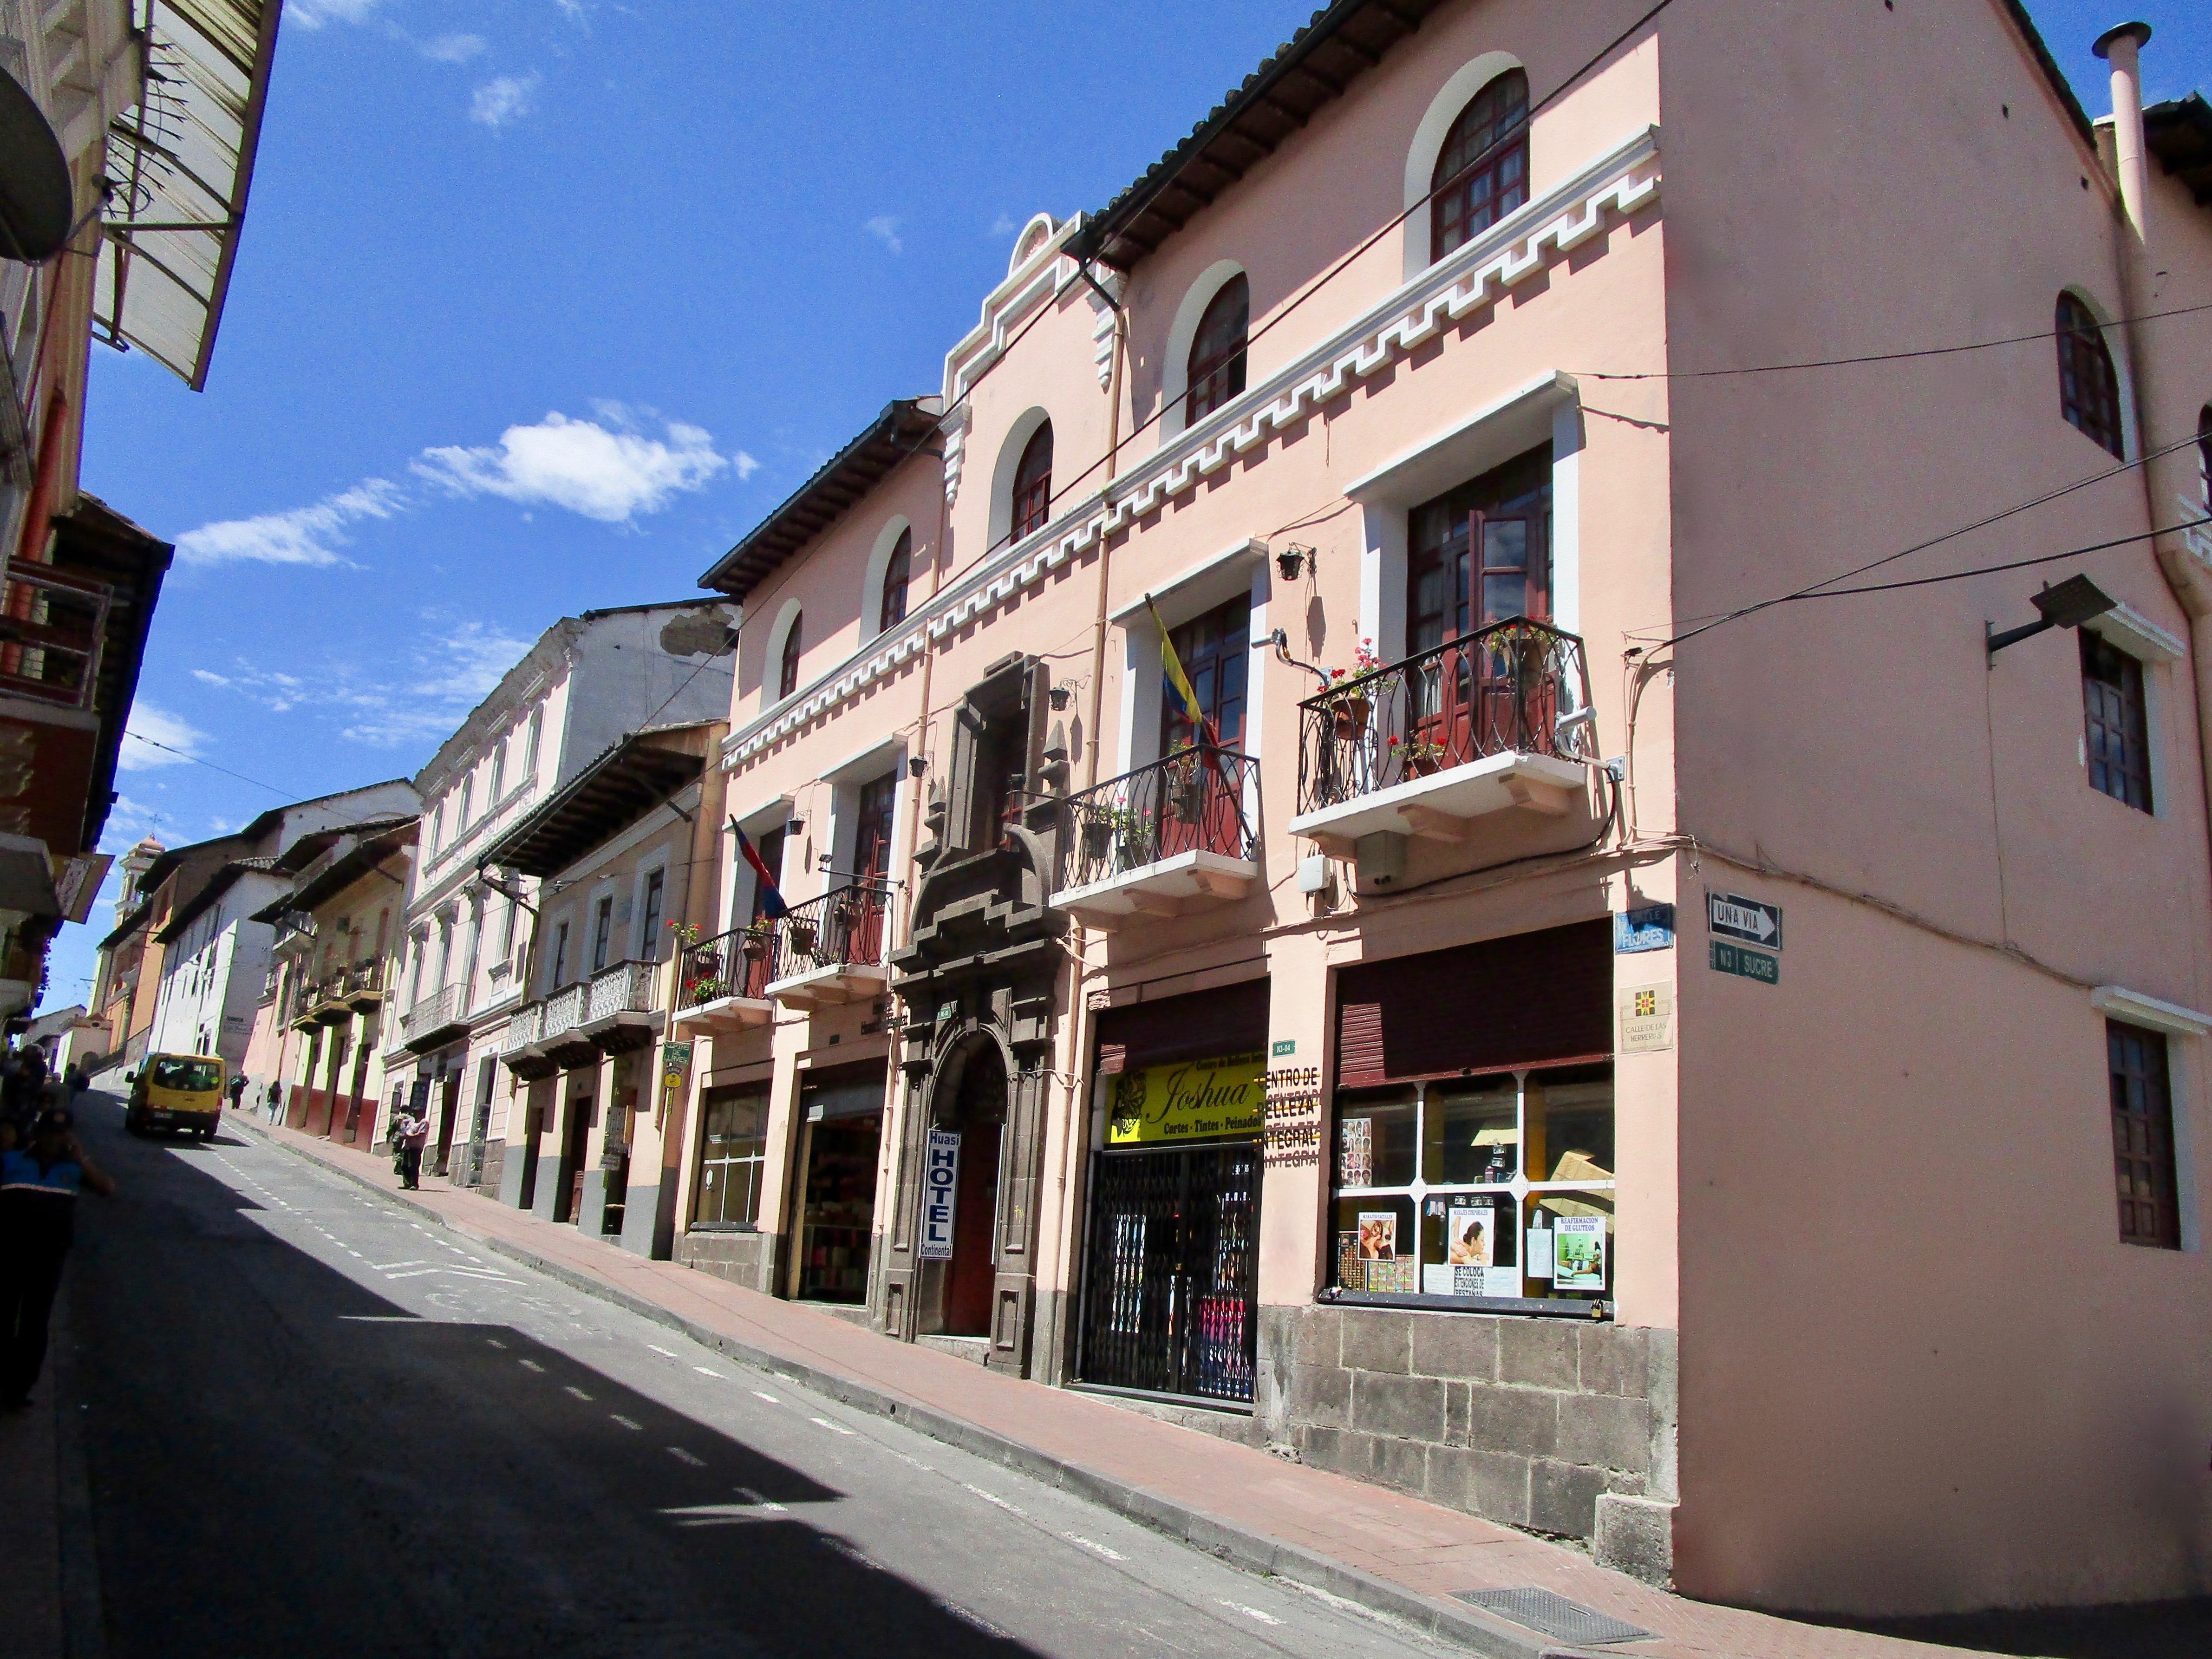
[(454, 48), (178, 738), (885, 229), (455, 673), (572, 10), (505, 99), (1002, 225), (304, 535), (313, 14), (610, 475), (746, 465)]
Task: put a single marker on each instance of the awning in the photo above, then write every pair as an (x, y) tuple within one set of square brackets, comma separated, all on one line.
[(181, 161)]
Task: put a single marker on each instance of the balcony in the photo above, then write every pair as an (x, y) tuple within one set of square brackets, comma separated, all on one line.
[(1497, 720), (721, 983), (436, 1019), (364, 984), (1166, 839), (50, 630), (522, 1029), (619, 1011), (830, 950), (321, 1002)]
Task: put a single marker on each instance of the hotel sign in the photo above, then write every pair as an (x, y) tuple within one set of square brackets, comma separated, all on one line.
[(1194, 1100), (940, 1186)]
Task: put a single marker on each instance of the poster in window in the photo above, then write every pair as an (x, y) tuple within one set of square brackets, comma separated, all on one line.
[(1378, 1234), (1355, 1154), (1399, 1275), (1578, 1253), (1350, 1272), (1471, 1236)]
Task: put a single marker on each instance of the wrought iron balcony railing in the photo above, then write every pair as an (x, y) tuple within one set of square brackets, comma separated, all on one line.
[(1197, 799), (624, 989), (737, 964), (843, 929), (1515, 687), (51, 627)]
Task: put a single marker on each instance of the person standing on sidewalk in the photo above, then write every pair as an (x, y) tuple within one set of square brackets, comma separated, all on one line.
[(38, 1185), (411, 1132), (275, 1101)]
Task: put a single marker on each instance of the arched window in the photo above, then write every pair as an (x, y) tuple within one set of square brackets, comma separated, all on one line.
[(2088, 389), (786, 677), (1033, 484), (1482, 175), (1216, 351), (2204, 453), (895, 575)]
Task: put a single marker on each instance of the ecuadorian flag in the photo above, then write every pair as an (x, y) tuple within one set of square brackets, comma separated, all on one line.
[(771, 901), (1178, 686)]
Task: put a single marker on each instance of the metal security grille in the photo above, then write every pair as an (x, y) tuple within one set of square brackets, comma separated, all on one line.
[(1172, 1280), (1553, 1615)]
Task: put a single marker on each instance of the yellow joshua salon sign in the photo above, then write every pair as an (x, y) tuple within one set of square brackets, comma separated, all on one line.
[(1194, 1100)]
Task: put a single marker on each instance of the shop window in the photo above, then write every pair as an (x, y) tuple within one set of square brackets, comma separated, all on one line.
[(1217, 352), (732, 1157), (2117, 720), (2088, 388), (2142, 1136), (1482, 174), (1477, 1188)]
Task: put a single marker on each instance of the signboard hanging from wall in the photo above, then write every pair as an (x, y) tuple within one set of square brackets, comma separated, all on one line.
[(1190, 1100), (941, 1187)]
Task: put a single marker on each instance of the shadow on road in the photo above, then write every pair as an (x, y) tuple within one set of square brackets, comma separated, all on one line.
[(283, 1460)]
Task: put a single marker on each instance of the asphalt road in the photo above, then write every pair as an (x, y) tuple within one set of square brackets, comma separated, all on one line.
[(314, 1425)]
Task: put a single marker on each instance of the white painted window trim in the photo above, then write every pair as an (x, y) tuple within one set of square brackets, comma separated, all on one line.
[(1016, 439), (2130, 630), (786, 616), (1191, 592), (1174, 366), (2136, 1008), (879, 565), (2127, 630)]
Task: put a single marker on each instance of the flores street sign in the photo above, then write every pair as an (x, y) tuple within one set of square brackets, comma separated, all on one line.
[(1746, 965), (1752, 920)]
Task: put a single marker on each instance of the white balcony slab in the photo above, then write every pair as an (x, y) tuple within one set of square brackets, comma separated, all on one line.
[(1442, 805), (1188, 882), (723, 1017), (827, 987)]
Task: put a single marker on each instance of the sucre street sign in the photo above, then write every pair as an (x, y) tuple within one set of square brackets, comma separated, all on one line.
[(1753, 921), (1746, 965)]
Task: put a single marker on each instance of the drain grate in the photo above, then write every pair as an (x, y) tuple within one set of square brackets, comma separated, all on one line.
[(1553, 1615)]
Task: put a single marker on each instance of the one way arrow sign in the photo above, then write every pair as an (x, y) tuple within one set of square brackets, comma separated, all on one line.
[(1752, 920)]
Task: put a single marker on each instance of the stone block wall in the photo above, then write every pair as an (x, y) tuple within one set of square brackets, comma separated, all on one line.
[(1563, 1426), (743, 1258)]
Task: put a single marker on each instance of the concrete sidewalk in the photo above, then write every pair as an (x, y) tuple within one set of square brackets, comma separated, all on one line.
[(1392, 1553)]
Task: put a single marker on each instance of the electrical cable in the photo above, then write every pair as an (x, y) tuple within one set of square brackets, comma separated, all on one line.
[(165, 749), (2011, 564)]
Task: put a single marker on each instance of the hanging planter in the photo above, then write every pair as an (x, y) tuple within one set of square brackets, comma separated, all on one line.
[(802, 937), (1350, 716), (1097, 839)]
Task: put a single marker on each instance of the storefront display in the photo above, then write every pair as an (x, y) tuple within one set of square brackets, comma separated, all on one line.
[(1490, 1178), (843, 1114), (733, 1156)]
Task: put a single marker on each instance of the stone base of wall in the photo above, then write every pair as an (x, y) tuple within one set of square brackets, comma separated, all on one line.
[(495, 1160), (1538, 1423), (746, 1259)]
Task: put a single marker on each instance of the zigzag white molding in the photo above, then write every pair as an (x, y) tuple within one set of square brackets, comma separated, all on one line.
[(1472, 276)]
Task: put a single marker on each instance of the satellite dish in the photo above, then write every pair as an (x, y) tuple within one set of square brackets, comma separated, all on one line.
[(36, 200)]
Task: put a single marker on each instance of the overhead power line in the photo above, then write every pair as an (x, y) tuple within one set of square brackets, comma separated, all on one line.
[(166, 748), (2010, 564)]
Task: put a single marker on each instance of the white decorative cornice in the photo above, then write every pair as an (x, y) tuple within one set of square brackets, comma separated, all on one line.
[(953, 433), (1471, 277), (1103, 312)]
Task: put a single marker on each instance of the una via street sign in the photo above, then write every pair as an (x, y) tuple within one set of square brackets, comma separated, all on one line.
[(1754, 920)]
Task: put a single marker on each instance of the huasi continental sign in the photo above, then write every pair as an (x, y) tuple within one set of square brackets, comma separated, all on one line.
[(1194, 1100)]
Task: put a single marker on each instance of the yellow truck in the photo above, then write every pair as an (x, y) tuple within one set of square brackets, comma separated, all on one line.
[(176, 1091)]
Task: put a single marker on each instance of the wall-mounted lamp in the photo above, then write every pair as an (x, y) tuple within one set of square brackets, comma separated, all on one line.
[(916, 765), (1291, 557), (1058, 694), (2075, 601), (795, 827)]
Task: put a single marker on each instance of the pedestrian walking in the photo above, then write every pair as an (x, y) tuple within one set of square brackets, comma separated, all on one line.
[(237, 1092), (411, 1132), (275, 1101), (77, 1078), (39, 1185)]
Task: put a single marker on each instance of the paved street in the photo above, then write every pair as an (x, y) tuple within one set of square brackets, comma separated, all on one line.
[(316, 1425)]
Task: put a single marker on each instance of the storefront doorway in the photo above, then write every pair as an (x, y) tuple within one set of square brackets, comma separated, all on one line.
[(979, 1114), (1170, 1299), (568, 1197), (842, 1114)]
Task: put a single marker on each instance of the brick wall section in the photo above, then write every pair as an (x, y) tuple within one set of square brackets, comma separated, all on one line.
[(1523, 1420), (746, 1259)]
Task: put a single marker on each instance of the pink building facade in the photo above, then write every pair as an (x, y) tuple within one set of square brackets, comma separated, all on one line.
[(1507, 1019)]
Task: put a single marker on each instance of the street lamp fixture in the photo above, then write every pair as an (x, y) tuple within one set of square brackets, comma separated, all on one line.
[(2075, 601), (1290, 558)]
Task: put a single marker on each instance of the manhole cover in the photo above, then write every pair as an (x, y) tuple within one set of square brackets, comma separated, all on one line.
[(1554, 1615)]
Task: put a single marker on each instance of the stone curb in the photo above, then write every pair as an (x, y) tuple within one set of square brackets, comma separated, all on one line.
[(1240, 1546)]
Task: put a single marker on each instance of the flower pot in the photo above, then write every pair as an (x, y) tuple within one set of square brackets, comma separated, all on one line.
[(1352, 714), (1421, 766), (1097, 840), (802, 937)]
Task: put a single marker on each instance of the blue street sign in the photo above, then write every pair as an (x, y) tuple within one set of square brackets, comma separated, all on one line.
[(1649, 928)]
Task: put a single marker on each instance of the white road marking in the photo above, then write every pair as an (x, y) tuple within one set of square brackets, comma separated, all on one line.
[(683, 1456), (666, 1353), (378, 1319), (572, 1388), (759, 1501), (993, 1497), (1096, 1549), (770, 1398), (530, 1365), (834, 1428), (495, 1342), (1249, 1612), (708, 1370), (625, 1421)]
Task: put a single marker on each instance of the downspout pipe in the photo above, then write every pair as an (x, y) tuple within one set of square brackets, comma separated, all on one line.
[(2186, 578)]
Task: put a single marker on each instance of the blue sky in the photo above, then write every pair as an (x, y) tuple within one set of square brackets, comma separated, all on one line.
[(542, 303)]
